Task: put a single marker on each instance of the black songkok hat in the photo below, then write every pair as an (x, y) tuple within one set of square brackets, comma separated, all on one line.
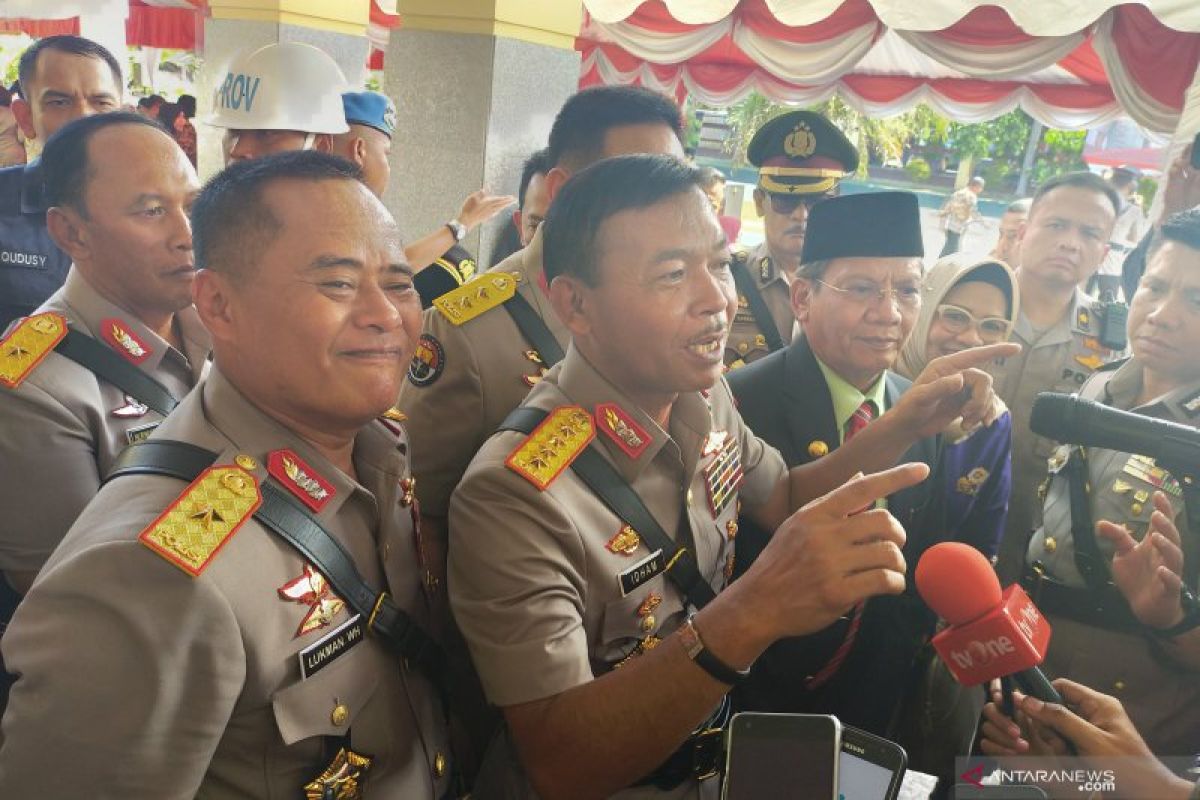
[(871, 225)]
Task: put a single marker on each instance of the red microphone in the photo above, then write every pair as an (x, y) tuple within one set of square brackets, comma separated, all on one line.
[(991, 633)]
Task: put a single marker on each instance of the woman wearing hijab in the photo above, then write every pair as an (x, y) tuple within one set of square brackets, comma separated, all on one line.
[(967, 301)]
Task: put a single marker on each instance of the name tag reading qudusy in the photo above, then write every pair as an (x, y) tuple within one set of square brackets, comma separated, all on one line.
[(321, 653), (644, 570)]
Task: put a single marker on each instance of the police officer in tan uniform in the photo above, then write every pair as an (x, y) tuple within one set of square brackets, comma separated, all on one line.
[(1061, 330), (801, 159), (485, 345), (1112, 642), (120, 190), (220, 661), (581, 618)]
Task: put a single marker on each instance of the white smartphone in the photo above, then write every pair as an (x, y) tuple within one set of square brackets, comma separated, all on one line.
[(782, 756)]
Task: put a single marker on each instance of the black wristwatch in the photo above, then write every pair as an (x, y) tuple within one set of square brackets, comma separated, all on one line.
[(457, 230), (696, 651), (1191, 616)]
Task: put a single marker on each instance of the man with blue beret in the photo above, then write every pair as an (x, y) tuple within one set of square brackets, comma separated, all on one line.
[(371, 117)]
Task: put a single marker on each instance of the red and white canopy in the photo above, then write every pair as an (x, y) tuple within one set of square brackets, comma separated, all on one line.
[(148, 23), (1069, 63)]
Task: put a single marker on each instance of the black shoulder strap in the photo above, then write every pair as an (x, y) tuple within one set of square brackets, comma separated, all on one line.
[(300, 529), (611, 488), (758, 306), (110, 367), (534, 329), (1088, 559)]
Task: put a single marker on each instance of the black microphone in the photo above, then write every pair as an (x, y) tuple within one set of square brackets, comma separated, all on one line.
[(1070, 419)]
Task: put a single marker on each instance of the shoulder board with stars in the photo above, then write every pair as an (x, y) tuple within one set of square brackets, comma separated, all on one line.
[(28, 344), (552, 446), (473, 298), (202, 519)]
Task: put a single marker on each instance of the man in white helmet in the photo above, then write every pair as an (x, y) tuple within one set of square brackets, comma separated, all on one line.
[(283, 96)]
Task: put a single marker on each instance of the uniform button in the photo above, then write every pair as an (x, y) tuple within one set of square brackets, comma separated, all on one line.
[(731, 528), (1118, 686), (386, 549), (689, 497), (743, 348), (439, 764), (648, 622), (1136, 508), (340, 715), (1051, 544)]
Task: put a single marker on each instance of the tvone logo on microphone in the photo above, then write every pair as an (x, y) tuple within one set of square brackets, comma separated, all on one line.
[(980, 653)]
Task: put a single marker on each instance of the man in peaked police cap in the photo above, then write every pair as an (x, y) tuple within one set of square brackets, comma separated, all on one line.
[(857, 294), (801, 158)]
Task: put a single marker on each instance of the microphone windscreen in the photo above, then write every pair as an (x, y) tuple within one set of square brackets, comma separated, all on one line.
[(1053, 414), (957, 582)]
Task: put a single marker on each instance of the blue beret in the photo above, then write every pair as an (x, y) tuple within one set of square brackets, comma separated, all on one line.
[(372, 109)]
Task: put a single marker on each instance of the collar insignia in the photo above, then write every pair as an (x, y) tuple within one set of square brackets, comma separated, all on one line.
[(124, 341), (622, 429), (312, 590), (300, 479)]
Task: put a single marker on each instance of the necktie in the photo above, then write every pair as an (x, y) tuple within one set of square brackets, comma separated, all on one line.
[(858, 420)]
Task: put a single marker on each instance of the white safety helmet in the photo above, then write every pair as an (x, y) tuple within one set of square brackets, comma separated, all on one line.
[(285, 86)]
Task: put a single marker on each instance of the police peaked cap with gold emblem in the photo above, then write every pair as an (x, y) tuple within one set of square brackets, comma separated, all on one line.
[(801, 153), (870, 225)]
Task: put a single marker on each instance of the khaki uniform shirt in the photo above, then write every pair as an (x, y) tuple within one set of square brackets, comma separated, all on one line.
[(1161, 696), (1059, 360), (534, 575), (486, 368), (746, 340), (140, 680), (61, 427)]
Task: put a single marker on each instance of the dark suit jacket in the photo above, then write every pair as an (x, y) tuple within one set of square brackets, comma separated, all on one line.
[(784, 399)]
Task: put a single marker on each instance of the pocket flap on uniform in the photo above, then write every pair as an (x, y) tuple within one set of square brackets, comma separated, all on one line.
[(327, 703)]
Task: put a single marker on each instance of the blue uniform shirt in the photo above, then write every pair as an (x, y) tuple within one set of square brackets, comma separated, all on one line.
[(31, 266)]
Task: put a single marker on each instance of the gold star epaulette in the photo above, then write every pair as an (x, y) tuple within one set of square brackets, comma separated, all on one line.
[(29, 342), (552, 446), (476, 296), (199, 523)]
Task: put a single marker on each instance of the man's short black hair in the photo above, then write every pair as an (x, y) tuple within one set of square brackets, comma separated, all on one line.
[(187, 104), (1182, 227), (231, 222), (1078, 180), (66, 170), (577, 137), (73, 45), (608, 187), (536, 164)]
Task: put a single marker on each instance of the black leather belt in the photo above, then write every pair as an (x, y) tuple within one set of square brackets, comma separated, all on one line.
[(1105, 609), (701, 756)]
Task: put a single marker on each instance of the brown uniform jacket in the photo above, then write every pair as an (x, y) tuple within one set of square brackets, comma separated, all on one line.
[(747, 342), (485, 368), (534, 575), (1059, 360), (1161, 695), (61, 427), (138, 679)]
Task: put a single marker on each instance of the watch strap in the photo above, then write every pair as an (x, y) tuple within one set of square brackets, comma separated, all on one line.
[(1191, 616), (718, 669)]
